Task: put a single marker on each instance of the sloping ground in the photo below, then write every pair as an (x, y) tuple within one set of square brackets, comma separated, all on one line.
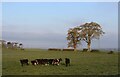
[(82, 63)]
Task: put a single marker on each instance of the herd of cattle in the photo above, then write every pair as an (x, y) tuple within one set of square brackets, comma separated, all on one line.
[(45, 62)]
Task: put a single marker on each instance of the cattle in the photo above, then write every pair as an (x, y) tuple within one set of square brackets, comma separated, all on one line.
[(42, 61), (24, 62), (67, 62), (50, 61), (45, 61), (34, 62), (56, 61)]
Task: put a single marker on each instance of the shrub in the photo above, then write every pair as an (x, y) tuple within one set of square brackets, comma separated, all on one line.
[(85, 50), (54, 49), (95, 50), (110, 52), (68, 49)]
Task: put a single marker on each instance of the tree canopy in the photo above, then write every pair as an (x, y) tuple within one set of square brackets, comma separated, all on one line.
[(73, 37), (85, 32)]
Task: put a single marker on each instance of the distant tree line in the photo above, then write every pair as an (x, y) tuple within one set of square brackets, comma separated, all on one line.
[(11, 45), (85, 32)]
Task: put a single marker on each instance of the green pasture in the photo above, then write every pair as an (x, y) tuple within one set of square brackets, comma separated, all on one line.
[(82, 63)]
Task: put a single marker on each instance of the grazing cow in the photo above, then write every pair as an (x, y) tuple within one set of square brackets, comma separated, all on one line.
[(56, 61), (45, 61), (34, 62), (67, 62), (50, 61), (24, 62), (42, 61)]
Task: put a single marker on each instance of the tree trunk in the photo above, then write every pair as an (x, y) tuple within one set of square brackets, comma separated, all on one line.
[(89, 44), (75, 47)]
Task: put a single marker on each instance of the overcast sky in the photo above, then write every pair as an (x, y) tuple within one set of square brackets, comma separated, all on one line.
[(45, 25)]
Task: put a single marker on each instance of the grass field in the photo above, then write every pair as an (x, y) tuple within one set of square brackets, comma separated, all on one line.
[(82, 63)]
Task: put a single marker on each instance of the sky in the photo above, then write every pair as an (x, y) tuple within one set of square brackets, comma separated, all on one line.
[(60, 0), (45, 24)]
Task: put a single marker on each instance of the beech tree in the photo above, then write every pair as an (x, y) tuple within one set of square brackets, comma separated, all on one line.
[(73, 37), (89, 31)]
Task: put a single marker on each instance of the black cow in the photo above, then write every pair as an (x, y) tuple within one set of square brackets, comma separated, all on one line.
[(45, 61), (34, 62), (67, 62), (50, 61), (24, 62), (42, 61)]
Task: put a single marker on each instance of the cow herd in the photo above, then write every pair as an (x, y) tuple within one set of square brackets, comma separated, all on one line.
[(44, 62)]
